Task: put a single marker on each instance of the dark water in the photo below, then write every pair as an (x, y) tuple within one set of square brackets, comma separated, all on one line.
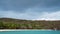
[(30, 32)]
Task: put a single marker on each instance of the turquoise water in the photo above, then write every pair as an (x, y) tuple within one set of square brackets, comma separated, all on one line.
[(31, 32)]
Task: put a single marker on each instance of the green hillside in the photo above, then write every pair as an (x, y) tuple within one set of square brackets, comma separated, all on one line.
[(10, 23)]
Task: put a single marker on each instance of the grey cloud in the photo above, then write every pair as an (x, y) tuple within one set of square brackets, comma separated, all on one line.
[(20, 5), (27, 9)]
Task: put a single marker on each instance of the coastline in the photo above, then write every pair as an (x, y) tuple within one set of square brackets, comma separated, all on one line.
[(26, 30)]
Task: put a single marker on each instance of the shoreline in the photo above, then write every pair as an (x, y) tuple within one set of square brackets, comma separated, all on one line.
[(26, 30)]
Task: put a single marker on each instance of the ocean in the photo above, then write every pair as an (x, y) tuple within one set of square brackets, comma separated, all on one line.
[(30, 32)]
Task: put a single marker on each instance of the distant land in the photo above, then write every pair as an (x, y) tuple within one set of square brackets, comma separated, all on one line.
[(11, 23)]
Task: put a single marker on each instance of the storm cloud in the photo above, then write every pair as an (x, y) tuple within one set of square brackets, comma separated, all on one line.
[(30, 9)]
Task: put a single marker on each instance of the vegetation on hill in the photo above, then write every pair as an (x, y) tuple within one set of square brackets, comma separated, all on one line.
[(8, 23)]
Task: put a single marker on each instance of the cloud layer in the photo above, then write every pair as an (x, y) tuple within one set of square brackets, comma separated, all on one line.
[(30, 9), (31, 16), (50, 16)]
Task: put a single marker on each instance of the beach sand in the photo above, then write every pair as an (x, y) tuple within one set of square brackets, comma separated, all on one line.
[(25, 30)]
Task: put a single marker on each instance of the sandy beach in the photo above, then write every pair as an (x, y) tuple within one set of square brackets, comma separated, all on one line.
[(25, 30)]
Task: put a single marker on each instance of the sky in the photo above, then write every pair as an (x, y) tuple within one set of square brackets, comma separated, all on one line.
[(30, 9)]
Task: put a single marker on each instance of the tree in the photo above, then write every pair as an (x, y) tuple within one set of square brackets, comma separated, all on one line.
[(1, 25)]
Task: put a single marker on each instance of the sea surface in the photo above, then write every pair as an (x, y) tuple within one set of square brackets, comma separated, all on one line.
[(30, 32)]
